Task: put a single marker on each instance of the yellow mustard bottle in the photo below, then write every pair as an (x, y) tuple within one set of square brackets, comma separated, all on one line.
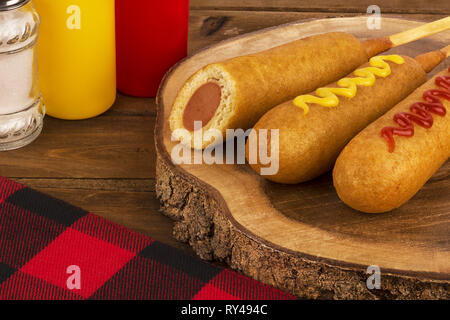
[(77, 57)]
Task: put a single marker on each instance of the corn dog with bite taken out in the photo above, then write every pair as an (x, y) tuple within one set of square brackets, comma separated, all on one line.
[(387, 163), (235, 93)]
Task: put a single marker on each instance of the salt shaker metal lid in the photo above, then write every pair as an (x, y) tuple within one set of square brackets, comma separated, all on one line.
[(6, 5)]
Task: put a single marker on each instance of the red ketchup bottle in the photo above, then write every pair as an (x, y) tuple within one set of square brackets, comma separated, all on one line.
[(151, 36)]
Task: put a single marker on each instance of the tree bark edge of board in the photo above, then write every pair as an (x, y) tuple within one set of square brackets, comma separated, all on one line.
[(199, 221)]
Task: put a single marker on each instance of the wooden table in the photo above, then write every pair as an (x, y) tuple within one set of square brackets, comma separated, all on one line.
[(107, 164)]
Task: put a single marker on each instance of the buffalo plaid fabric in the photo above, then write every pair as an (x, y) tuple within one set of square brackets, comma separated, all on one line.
[(50, 250)]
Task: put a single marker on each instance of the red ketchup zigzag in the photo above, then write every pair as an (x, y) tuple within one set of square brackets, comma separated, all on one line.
[(421, 113)]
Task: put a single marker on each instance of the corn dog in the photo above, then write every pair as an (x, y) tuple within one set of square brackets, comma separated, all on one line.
[(388, 162), (314, 128), (235, 93)]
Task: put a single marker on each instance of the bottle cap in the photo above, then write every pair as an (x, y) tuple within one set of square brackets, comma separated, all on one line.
[(6, 5)]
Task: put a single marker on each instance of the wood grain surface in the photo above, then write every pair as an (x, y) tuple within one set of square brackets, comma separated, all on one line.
[(107, 164), (227, 212), (358, 6)]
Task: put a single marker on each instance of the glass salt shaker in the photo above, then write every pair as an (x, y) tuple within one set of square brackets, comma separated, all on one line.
[(21, 108)]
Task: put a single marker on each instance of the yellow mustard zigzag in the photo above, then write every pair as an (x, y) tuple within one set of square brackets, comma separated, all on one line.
[(327, 97)]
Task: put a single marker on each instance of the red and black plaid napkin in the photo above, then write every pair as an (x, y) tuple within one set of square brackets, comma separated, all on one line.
[(45, 243)]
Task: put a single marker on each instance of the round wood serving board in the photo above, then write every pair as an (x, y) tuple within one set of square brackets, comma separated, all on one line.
[(302, 238)]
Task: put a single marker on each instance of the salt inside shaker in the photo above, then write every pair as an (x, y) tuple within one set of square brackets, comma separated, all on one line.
[(21, 108)]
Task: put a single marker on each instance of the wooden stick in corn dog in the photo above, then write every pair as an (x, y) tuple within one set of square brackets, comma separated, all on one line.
[(388, 162), (314, 128), (235, 93)]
